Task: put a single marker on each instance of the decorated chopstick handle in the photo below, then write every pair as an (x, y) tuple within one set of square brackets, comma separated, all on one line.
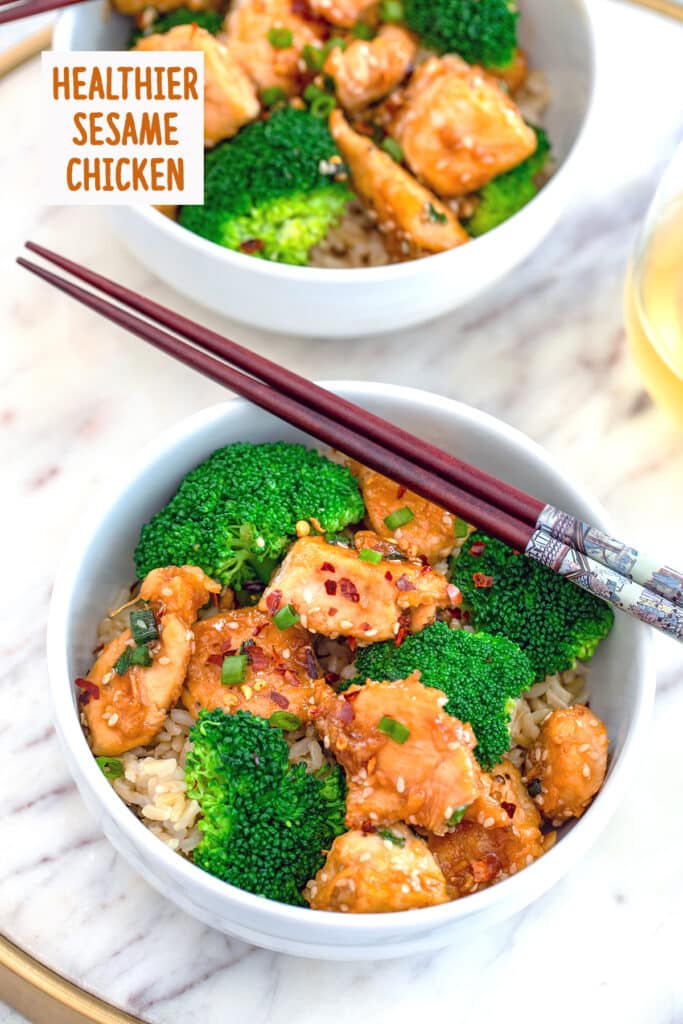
[(608, 551), (604, 582)]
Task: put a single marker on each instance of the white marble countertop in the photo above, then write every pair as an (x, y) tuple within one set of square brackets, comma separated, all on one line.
[(547, 352)]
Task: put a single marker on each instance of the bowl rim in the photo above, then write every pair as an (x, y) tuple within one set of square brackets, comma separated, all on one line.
[(171, 230), (190, 877)]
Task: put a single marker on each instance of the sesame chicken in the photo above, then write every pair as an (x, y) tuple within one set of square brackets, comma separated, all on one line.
[(414, 221), (431, 531), (376, 873), (458, 128), (344, 13), (406, 759), (248, 26), (132, 707), (229, 96), (498, 835), (368, 70), (279, 674), (336, 593), (568, 762)]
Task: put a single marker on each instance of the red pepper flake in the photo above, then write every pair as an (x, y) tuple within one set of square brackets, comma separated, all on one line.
[(365, 626), (425, 568), (508, 808), (349, 590), (404, 583), (477, 548), (258, 659), (311, 664), (352, 642), (388, 576), (345, 713), (400, 636), (456, 613), (331, 587), (257, 629), (214, 600), (96, 650), (273, 601), (332, 611), (401, 491), (332, 677), (482, 581), (327, 567), (279, 699), (352, 695), (368, 828), (363, 128), (251, 245), (215, 659), (291, 677), (485, 869), (92, 689), (454, 594)]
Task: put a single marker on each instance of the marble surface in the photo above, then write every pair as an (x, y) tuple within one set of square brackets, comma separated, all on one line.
[(546, 352)]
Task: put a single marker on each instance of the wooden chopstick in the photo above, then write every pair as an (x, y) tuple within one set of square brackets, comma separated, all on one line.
[(14, 56), (666, 7), (566, 529), (12, 10), (637, 600)]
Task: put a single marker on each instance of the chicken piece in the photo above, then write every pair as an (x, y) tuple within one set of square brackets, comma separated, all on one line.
[(568, 761), (458, 128), (431, 531), (131, 708), (368, 70), (376, 873), (336, 593), (229, 96), (344, 13), (514, 74), (421, 777), (280, 670), (411, 217), (498, 835), (248, 27)]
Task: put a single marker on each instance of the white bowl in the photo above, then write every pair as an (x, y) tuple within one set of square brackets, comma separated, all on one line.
[(344, 303), (100, 561)]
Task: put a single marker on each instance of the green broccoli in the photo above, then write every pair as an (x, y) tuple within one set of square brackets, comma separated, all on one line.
[(212, 21), (553, 621), (505, 195), (236, 513), (480, 31), (265, 823), (481, 675), (273, 191)]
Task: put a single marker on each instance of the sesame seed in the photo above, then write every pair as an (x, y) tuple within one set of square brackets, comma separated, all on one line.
[(232, 625), (113, 719), (405, 888), (286, 653), (450, 811), (346, 624), (400, 784), (586, 772), (167, 591), (107, 677), (164, 660)]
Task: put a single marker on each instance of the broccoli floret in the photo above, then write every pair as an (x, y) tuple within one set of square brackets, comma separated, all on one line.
[(505, 195), (553, 621), (265, 823), (272, 190), (212, 21), (481, 675), (480, 31), (236, 514)]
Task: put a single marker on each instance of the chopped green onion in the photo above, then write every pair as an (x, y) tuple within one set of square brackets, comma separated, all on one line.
[(457, 816), (110, 767), (285, 720), (286, 617), (370, 555), (140, 656), (143, 625), (361, 30), (122, 663), (396, 730), (322, 106), (233, 669), (274, 94), (386, 833), (391, 10), (312, 91), (314, 57), (332, 43), (399, 518), (436, 215), (461, 527), (392, 147), (280, 38)]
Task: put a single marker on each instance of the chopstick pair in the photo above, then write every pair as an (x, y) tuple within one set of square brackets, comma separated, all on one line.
[(572, 548), (12, 10)]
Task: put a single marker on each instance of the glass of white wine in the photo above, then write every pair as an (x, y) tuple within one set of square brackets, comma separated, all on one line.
[(654, 293)]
